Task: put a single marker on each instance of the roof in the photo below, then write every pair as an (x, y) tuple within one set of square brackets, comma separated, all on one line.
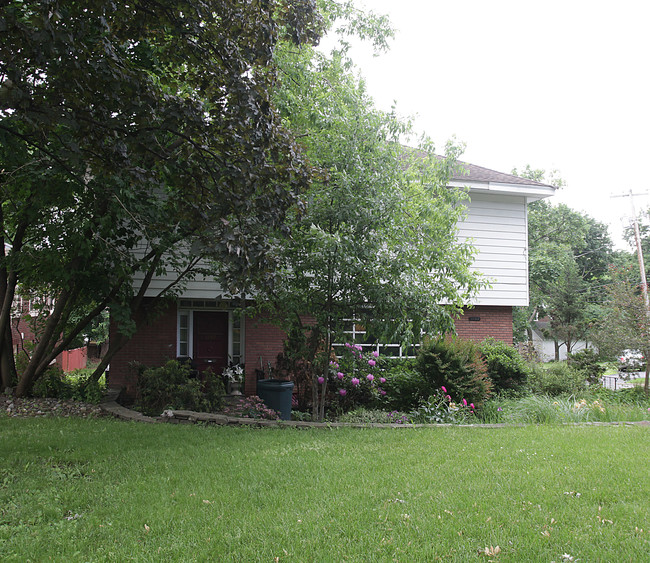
[(466, 172), (474, 173)]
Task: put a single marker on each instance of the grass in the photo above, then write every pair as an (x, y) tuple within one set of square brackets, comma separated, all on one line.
[(102, 490), (604, 406)]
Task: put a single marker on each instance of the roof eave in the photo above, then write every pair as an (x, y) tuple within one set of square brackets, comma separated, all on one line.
[(532, 193)]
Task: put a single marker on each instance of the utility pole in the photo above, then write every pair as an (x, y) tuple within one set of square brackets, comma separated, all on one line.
[(639, 250)]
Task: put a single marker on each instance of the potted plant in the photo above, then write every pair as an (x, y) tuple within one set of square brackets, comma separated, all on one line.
[(233, 374)]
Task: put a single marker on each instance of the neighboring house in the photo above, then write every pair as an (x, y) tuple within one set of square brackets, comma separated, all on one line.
[(202, 325), (24, 319), (548, 349)]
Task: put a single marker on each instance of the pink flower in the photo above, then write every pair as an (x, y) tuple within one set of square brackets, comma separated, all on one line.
[(342, 392), (340, 375), (465, 402), (444, 389), (370, 377), (448, 397), (372, 363), (382, 392), (321, 380), (382, 380), (375, 354), (472, 405), (354, 381), (358, 347)]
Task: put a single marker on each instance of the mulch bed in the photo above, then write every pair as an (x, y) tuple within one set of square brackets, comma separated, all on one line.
[(48, 407)]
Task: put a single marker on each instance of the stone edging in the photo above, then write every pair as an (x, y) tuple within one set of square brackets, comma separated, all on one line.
[(110, 406)]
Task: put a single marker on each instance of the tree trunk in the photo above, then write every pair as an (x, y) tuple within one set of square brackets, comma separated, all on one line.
[(7, 361), (113, 348), (557, 350), (326, 363), (31, 373)]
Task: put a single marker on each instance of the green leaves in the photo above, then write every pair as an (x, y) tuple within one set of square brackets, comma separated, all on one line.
[(130, 133), (377, 240)]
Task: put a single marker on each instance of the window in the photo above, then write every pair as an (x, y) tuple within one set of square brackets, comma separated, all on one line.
[(356, 333)]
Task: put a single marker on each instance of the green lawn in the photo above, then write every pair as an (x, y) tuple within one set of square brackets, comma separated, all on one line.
[(103, 490)]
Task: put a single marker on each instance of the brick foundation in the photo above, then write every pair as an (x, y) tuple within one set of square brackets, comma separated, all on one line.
[(484, 321)]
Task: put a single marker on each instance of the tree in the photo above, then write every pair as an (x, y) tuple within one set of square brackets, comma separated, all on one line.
[(376, 240), (131, 133), (568, 255), (627, 321)]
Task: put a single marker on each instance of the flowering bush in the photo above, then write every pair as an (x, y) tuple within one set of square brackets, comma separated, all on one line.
[(357, 378), (250, 407), (440, 409)]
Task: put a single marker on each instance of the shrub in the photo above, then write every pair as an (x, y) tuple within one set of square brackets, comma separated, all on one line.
[(457, 365), (506, 368), (556, 379), (586, 361), (405, 387), (171, 386)]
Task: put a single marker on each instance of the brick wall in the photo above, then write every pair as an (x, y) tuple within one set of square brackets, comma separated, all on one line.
[(153, 345), (155, 342), (483, 321), (262, 340), (21, 333)]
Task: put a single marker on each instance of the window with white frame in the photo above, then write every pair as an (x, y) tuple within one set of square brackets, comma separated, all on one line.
[(356, 333)]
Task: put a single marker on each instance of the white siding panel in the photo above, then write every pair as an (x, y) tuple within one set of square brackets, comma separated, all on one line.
[(200, 287), (497, 227)]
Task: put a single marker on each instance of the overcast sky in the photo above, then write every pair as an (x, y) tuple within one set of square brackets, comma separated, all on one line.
[(556, 84)]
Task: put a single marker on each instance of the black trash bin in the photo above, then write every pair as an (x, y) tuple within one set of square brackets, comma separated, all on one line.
[(276, 394)]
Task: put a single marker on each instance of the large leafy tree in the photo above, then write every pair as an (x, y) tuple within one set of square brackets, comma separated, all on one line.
[(626, 323), (569, 255), (131, 133), (376, 241)]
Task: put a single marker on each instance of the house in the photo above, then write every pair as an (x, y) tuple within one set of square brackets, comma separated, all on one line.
[(548, 349), (26, 313), (203, 325)]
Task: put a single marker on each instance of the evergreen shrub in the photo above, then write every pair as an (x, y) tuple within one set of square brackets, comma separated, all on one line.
[(458, 366), (405, 386), (556, 379), (586, 361), (171, 387), (506, 368)]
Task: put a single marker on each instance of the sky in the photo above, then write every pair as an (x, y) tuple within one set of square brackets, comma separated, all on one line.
[(560, 85)]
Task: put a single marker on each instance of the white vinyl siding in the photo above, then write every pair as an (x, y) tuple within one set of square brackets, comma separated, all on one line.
[(198, 288), (497, 226)]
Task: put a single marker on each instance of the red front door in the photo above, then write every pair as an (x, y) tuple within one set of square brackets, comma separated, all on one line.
[(210, 340)]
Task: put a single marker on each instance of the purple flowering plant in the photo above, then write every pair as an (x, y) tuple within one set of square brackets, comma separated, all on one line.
[(356, 378)]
